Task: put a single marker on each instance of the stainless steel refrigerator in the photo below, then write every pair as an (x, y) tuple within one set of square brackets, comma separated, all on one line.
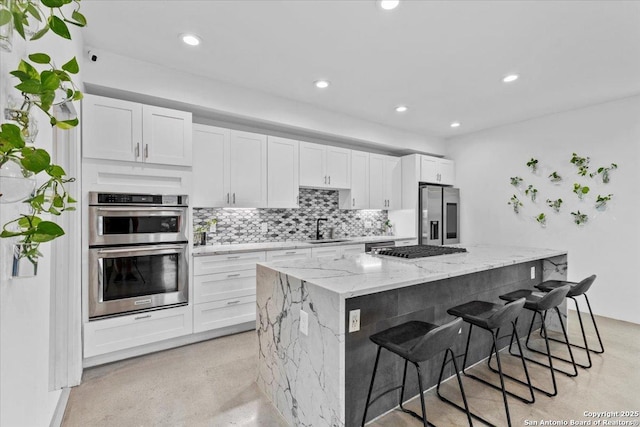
[(439, 222)]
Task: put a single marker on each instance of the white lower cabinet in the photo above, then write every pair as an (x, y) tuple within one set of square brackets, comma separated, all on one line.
[(224, 290), (288, 254), (120, 333)]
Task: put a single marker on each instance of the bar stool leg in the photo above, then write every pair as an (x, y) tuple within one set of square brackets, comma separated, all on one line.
[(504, 394), (421, 391), (373, 377), (595, 326), (464, 395), (404, 380)]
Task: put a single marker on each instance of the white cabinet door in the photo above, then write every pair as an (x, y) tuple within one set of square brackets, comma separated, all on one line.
[(338, 167), (447, 172), (312, 165), (221, 286), (111, 129), (210, 166), (429, 169), (328, 253), (282, 171), (167, 136), (359, 181), (248, 170), (377, 198), (393, 182), (220, 314)]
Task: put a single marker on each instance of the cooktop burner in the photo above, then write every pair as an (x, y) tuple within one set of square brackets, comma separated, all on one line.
[(419, 251)]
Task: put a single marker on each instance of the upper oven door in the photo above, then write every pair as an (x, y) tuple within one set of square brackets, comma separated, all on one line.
[(115, 225)]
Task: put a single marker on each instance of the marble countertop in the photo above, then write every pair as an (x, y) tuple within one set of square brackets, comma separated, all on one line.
[(366, 274), (274, 246)]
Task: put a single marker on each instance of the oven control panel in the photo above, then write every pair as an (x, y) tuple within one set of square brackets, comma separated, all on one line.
[(136, 199)]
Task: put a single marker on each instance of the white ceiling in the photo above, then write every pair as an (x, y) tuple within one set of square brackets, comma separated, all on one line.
[(444, 59)]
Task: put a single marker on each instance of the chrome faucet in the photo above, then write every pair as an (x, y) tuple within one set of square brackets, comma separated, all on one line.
[(318, 235)]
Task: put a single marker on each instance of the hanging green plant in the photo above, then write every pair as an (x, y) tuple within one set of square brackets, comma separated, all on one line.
[(42, 89), (554, 204), (601, 201), (541, 219), (582, 163), (579, 218), (516, 181), (580, 190), (554, 177), (531, 192), (515, 203), (605, 172), (533, 165)]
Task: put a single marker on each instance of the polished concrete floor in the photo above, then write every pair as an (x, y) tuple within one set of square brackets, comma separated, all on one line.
[(212, 384)]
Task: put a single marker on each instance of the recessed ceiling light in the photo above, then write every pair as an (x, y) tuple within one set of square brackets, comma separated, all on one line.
[(321, 84), (455, 125), (401, 108), (388, 4), (190, 39), (510, 78)]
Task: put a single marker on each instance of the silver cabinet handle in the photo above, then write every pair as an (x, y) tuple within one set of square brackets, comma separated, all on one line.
[(227, 198), (290, 253), (325, 179), (142, 317), (354, 202), (234, 198), (146, 151), (233, 302), (233, 275), (329, 179), (233, 257), (137, 150)]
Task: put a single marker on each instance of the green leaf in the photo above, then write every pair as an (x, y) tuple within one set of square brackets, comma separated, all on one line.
[(53, 211), (27, 222), (49, 80), (11, 133), (5, 17), (20, 74), (71, 66), (56, 171), (40, 58), (34, 12), (77, 96), (585, 190), (58, 202), (7, 233), (67, 124), (52, 121), (35, 160), (46, 231), (18, 19), (53, 3), (29, 69), (79, 18), (58, 26), (29, 86), (46, 99), (62, 75), (40, 33)]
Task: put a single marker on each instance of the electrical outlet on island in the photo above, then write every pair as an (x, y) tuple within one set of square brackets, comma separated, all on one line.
[(354, 320)]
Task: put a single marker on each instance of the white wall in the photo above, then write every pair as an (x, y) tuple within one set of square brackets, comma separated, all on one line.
[(121, 73), (609, 245), (25, 398)]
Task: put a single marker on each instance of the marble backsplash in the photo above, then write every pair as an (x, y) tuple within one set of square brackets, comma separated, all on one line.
[(244, 225)]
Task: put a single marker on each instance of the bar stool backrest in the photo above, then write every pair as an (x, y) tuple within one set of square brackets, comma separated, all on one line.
[(435, 341), (506, 314), (554, 298), (582, 287)]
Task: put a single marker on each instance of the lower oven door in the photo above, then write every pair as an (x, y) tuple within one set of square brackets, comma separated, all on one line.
[(135, 278)]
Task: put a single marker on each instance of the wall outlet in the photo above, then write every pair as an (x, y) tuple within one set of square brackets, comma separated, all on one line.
[(304, 322), (459, 331), (354, 320), (533, 272), (264, 228), (367, 224)]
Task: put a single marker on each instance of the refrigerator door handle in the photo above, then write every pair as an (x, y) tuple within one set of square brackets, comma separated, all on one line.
[(435, 230)]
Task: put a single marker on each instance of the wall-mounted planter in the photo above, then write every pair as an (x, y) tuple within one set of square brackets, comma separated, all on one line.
[(555, 178), (16, 183), (23, 266), (515, 203), (579, 218), (6, 25)]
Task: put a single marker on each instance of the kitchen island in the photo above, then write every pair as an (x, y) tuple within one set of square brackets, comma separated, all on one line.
[(321, 377)]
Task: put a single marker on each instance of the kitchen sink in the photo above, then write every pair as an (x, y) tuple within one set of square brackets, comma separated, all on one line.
[(327, 241)]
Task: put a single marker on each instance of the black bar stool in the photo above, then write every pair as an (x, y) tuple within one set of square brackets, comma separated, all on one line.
[(492, 317), (540, 306), (577, 289), (416, 342)]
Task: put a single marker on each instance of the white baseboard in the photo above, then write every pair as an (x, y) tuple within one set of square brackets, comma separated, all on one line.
[(58, 414)]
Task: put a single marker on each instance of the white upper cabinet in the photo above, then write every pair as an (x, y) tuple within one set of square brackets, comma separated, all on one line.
[(210, 166), (323, 166), (359, 195), (385, 182), (230, 168), (113, 129), (282, 171), (435, 170), (248, 170)]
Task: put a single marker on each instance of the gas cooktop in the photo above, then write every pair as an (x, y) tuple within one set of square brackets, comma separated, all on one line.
[(420, 251)]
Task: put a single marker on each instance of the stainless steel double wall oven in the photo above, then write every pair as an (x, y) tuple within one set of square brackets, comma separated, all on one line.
[(137, 253)]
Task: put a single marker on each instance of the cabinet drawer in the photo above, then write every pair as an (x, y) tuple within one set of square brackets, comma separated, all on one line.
[(353, 249), (410, 242), (119, 333), (288, 254), (219, 314), (222, 263), (332, 252), (220, 286)]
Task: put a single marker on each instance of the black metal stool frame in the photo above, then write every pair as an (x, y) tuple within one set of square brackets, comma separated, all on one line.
[(423, 418), (586, 283), (495, 335)]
